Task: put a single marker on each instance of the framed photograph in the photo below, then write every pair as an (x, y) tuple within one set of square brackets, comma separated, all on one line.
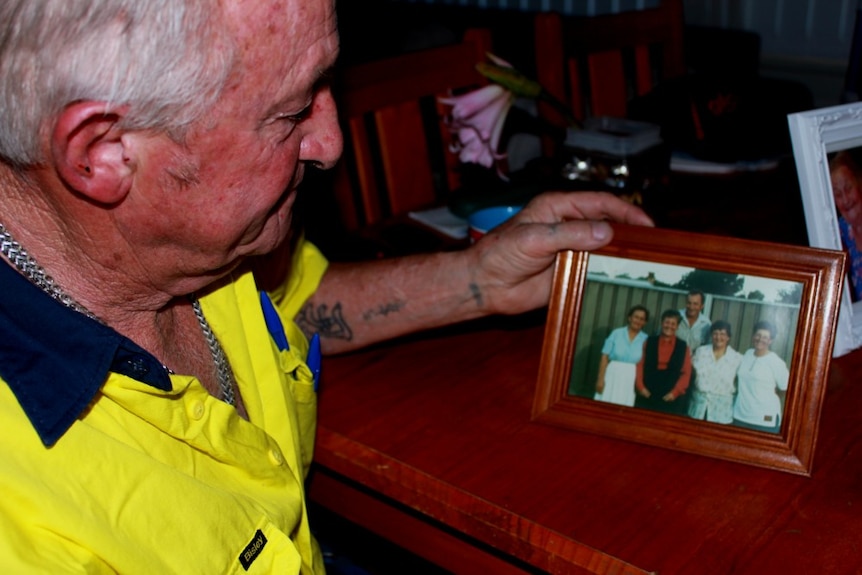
[(827, 147), (711, 345)]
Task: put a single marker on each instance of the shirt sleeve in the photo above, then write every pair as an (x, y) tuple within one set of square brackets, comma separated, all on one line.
[(608, 346)]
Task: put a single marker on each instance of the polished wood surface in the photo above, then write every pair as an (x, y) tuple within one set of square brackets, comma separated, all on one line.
[(428, 441)]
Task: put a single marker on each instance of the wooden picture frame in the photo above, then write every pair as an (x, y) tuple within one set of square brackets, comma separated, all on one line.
[(816, 135), (815, 275)]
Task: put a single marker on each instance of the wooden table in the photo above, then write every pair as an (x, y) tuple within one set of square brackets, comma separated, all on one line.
[(428, 442)]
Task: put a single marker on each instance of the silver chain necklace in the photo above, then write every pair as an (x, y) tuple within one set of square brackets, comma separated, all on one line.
[(223, 369), (18, 256)]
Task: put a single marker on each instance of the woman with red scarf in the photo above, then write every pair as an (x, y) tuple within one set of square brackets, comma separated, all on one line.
[(664, 371)]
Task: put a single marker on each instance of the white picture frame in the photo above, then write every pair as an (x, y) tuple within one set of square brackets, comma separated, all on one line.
[(815, 134)]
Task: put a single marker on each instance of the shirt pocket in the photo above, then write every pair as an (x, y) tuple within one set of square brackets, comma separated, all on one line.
[(301, 386), (268, 551)]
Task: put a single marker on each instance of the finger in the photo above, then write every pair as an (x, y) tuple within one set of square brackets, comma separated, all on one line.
[(604, 206), (562, 206), (578, 235)]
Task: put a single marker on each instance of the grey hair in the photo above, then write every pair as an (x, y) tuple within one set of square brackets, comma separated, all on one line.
[(167, 60)]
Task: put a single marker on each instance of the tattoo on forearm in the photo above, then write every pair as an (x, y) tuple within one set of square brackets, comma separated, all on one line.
[(477, 295), (320, 320), (384, 309)]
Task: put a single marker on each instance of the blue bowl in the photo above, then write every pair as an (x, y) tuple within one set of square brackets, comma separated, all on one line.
[(483, 221)]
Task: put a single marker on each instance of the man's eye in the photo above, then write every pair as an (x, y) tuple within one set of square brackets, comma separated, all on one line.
[(298, 117)]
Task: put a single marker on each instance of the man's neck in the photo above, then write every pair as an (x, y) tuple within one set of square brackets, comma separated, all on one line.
[(77, 247)]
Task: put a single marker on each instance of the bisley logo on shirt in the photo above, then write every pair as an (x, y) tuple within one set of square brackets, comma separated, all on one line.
[(252, 550)]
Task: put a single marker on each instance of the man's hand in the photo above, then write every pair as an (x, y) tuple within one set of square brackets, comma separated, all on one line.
[(512, 265)]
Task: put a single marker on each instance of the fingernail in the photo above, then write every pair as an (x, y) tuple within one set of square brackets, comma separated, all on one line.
[(601, 231)]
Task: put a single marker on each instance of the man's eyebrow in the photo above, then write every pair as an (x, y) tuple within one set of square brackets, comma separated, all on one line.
[(323, 77)]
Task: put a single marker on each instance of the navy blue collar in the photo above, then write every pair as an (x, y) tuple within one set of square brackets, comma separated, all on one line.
[(55, 359)]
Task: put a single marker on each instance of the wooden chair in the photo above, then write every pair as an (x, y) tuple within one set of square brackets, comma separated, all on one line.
[(397, 156), (597, 64)]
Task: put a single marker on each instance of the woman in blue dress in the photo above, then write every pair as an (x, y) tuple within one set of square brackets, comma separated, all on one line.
[(621, 352)]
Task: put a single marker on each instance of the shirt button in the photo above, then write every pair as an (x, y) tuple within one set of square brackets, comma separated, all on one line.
[(275, 457), (196, 410)]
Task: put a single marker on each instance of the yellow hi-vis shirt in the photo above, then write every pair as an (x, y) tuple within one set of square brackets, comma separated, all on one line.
[(147, 472)]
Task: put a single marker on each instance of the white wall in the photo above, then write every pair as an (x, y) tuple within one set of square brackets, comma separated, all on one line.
[(818, 29), (804, 40)]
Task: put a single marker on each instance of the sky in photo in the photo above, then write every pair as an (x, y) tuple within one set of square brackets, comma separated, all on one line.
[(671, 274)]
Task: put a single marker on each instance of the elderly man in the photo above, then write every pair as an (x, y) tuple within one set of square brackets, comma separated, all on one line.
[(695, 325), (158, 410)]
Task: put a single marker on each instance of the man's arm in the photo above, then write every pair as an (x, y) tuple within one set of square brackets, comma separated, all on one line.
[(508, 271)]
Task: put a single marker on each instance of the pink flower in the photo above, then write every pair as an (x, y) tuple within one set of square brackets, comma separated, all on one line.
[(477, 117), (477, 120)]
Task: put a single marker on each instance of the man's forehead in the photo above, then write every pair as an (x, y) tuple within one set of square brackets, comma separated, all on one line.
[(288, 42), (286, 23)]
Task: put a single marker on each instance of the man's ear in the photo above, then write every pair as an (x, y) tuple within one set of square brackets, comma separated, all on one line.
[(89, 153)]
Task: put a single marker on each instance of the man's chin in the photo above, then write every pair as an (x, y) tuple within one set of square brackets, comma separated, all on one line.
[(276, 232)]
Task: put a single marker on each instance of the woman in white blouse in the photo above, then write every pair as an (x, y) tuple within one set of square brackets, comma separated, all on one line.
[(715, 369), (762, 380)]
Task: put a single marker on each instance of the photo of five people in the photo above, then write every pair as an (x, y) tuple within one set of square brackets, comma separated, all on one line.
[(696, 343)]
